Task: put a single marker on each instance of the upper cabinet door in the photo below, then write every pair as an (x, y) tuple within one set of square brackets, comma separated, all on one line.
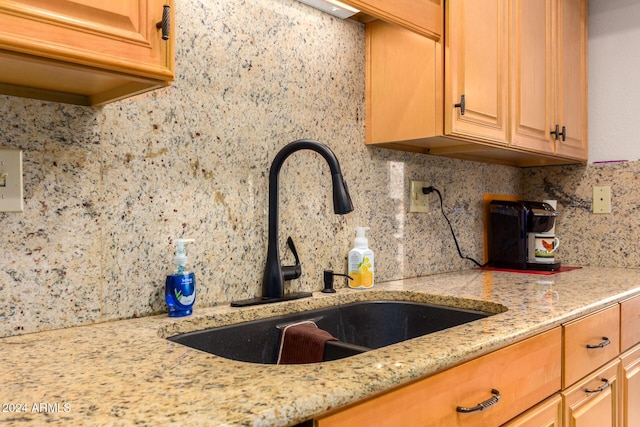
[(403, 82), (571, 77), (118, 35), (83, 51), (476, 70), (505, 58), (532, 68)]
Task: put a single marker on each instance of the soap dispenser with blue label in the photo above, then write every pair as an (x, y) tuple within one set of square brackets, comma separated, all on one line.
[(180, 287)]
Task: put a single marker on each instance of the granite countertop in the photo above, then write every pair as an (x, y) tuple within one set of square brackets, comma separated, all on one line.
[(125, 373)]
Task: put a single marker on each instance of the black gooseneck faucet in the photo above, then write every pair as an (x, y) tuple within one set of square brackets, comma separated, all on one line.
[(274, 273)]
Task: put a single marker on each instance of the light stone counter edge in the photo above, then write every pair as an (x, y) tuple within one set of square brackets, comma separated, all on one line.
[(125, 373)]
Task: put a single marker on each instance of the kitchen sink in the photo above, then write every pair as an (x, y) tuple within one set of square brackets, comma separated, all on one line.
[(359, 327)]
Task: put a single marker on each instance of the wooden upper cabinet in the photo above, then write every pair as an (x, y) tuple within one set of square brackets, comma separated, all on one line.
[(532, 83), (571, 78), (403, 85), (519, 65), (477, 70), (421, 16), (84, 51), (549, 71)]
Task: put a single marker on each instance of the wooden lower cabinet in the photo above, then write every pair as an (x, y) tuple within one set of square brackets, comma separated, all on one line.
[(589, 343), (594, 401), (598, 387), (523, 374), (613, 399), (630, 388), (545, 414), (629, 323)]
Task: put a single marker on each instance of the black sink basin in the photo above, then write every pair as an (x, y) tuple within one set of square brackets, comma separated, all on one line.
[(359, 327)]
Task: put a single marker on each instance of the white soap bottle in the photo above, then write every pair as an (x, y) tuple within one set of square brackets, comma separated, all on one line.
[(361, 263)]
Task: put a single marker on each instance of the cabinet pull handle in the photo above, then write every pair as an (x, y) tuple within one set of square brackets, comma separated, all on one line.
[(482, 405), (165, 24), (602, 388), (461, 105), (605, 342), (557, 134), (563, 134)]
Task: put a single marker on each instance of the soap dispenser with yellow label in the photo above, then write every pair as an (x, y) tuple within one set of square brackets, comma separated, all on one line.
[(361, 263)]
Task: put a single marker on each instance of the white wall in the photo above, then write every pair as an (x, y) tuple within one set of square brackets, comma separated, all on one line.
[(614, 80)]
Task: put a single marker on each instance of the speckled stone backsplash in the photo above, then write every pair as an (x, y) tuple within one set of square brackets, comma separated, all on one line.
[(611, 240), (108, 190)]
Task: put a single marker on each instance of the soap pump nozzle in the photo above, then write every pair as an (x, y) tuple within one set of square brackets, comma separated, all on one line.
[(180, 259), (361, 240)]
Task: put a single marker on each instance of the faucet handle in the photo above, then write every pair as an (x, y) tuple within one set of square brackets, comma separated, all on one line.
[(291, 272)]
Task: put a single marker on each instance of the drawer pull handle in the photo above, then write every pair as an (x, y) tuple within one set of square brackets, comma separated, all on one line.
[(482, 405), (599, 389), (605, 342)]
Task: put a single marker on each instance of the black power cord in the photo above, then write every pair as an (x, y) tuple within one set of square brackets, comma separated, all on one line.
[(429, 190)]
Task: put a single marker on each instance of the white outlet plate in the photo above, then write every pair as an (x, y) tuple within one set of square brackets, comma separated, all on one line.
[(10, 180), (601, 200), (419, 202)]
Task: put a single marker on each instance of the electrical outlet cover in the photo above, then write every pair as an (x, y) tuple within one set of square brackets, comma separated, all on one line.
[(418, 201), (11, 180)]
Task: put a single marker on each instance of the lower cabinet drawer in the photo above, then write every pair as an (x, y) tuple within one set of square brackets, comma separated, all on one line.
[(487, 391), (590, 342), (629, 323), (594, 400), (545, 414)]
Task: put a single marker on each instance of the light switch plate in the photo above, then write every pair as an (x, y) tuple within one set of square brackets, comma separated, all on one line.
[(11, 180), (601, 200)]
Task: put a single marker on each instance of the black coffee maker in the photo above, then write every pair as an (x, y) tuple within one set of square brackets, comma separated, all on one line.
[(512, 223)]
